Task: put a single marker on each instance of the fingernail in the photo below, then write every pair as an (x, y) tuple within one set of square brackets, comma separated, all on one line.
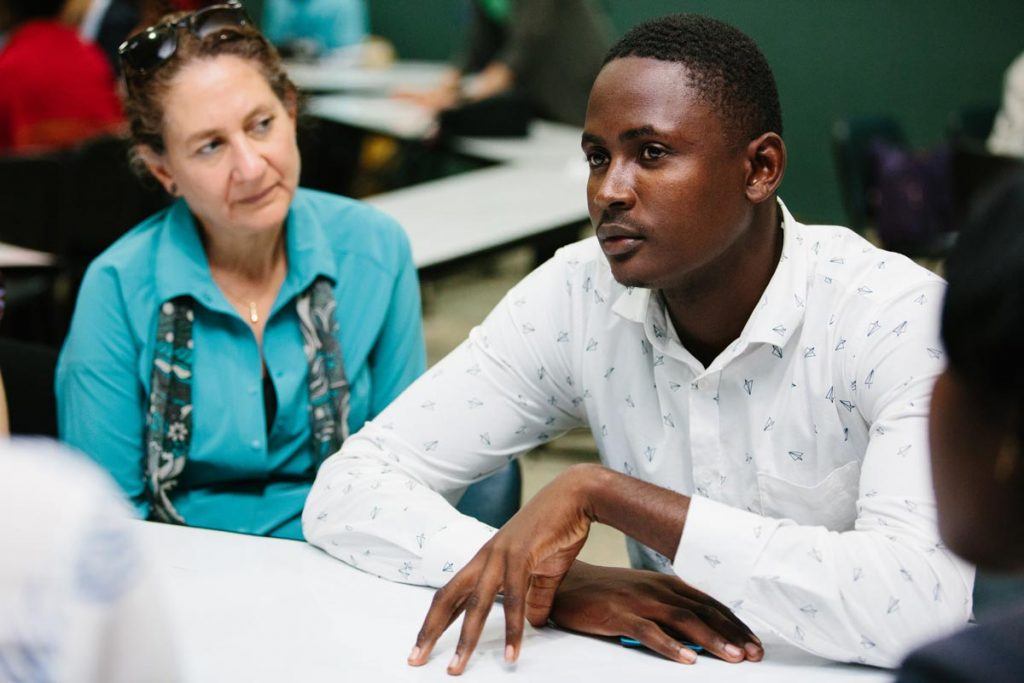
[(510, 654), (415, 654), (753, 651), (733, 651), (687, 655), (757, 641), (454, 664)]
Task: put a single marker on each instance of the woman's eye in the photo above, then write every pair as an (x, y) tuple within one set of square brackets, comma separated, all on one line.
[(209, 148)]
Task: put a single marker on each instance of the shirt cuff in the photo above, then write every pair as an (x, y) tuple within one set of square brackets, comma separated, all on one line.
[(449, 549), (719, 548)]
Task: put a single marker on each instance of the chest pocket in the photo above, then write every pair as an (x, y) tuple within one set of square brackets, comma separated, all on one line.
[(831, 503)]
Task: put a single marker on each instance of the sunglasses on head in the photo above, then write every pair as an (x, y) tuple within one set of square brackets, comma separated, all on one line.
[(153, 46)]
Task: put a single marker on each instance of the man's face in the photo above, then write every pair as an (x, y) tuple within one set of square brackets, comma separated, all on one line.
[(667, 189)]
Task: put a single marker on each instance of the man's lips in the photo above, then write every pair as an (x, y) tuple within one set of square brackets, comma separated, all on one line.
[(617, 239)]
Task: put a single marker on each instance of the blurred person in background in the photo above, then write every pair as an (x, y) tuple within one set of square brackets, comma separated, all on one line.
[(55, 89), (545, 51), (1007, 136), (104, 22), (315, 27)]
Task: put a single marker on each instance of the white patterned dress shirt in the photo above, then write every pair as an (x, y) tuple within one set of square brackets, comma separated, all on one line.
[(804, 444)]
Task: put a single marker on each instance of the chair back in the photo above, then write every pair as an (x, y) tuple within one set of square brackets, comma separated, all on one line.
[(30, 205), (495, 499), (852, 139)]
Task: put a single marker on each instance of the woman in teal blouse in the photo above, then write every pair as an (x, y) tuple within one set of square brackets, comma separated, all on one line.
[(224, 347)]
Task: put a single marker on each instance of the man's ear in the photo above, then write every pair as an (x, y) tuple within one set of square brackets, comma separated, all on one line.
[(766, 163), (156, 164)]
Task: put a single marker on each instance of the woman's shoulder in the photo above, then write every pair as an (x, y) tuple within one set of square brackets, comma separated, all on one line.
[(135, 247)]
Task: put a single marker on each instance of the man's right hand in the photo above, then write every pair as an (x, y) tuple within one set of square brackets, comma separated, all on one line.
[(659, 610)]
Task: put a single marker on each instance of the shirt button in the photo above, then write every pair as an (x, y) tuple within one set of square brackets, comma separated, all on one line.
[(253, 389), (255, 444)]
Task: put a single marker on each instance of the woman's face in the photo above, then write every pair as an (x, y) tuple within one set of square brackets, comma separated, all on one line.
[(230, 147), (980, 510)]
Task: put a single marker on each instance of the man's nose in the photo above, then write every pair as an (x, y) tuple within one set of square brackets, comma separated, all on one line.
[(615, 188)]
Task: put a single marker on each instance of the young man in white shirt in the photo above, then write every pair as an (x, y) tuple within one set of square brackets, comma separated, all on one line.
[(758, 390)]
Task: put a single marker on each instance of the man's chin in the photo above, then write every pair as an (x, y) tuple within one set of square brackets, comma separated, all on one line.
[(626, 276)]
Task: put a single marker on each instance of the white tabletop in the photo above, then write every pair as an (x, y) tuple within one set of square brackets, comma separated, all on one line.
[(256, 609), (386, 115), (471, 212), (339, 76), (545, 140), (20, 257)]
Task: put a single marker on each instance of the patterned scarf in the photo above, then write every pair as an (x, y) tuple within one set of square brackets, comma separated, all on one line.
[(169, 418)]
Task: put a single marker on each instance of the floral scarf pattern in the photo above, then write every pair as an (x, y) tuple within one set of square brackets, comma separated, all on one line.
[(169, 416)]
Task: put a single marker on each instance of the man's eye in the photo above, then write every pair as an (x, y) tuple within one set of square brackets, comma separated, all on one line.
[(263, 125), (651, 152), (595, 159)]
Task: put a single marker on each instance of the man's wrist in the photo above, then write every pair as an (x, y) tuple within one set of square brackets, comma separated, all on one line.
[(587, 483)]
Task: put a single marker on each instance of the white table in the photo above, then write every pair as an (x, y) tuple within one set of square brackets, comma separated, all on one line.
[(20, 257), (405, 120), (469, 213), (338, 76), (256, 609), (397, 118)]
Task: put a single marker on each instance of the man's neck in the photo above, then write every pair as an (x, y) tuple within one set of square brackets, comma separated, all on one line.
[(710, 312)]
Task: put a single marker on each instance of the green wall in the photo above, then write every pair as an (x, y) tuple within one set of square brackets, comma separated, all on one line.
[(914, 59)]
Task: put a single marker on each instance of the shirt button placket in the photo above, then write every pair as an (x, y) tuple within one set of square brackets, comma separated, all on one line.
[(704, 430)]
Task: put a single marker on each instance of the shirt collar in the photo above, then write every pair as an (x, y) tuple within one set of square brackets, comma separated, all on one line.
[(182, 267), (779, 312)]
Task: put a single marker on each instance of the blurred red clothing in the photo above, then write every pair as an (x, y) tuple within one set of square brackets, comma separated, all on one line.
[(55, 89)]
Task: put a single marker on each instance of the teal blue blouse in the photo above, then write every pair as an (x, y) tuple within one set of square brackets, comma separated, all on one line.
[(240, 476)]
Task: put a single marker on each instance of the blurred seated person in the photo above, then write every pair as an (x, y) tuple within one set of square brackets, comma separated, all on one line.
[(1007, 136), (55, 89), (224, 347), (80, 601), (104, 22), (315, 27), (976, 431), (546, 51)]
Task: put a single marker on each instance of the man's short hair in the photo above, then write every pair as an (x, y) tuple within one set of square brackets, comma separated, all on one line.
[(725, 65)]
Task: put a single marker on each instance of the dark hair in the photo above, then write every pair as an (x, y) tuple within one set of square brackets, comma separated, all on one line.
[(983, 313), (23, 10), (146, 90), (725, 66)]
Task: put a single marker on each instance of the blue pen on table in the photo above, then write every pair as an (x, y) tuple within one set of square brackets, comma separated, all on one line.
[(626, 641)]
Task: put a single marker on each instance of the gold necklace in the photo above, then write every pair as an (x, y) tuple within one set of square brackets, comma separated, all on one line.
[(254, 312)]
